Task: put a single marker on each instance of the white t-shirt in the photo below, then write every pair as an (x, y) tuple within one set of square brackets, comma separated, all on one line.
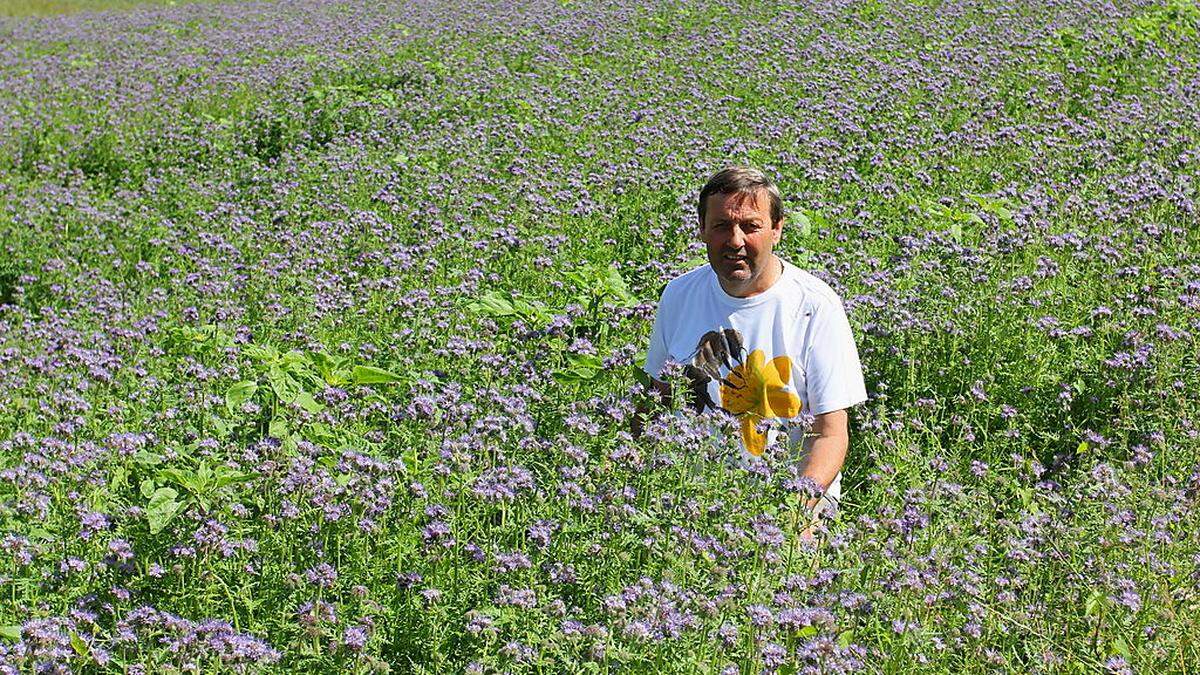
[(796, 351)]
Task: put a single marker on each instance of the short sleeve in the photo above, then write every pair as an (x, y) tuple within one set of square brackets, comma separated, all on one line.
[(656, 353), (833, 371)]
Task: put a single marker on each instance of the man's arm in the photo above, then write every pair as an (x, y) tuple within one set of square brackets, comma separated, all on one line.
[(826, 448)]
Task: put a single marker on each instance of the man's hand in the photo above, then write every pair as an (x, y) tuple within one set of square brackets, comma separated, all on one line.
[(658, 390)]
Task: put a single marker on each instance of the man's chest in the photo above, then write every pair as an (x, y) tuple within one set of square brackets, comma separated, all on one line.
[(745, 361)]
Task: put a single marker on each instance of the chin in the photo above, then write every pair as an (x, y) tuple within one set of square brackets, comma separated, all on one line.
[(738, 277)]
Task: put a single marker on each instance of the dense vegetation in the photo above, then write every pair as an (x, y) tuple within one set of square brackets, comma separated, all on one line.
[(319, 322)]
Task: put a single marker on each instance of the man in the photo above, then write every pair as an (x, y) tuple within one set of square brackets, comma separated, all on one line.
[(759, 337)]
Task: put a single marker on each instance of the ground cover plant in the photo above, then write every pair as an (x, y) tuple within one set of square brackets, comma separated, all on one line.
[(319, 322)]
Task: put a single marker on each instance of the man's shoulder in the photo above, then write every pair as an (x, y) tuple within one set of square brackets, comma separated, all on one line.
[(687, 283), (809, 289)]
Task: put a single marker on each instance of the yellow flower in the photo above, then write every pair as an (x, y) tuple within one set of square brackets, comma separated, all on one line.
[(755, 391)]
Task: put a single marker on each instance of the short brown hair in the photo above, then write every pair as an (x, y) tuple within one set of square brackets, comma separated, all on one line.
[(741, 180)]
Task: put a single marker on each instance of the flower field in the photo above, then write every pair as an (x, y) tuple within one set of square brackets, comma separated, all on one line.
[(319, 324)]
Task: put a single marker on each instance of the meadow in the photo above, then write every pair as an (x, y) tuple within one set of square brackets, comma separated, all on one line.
[(319, 325)]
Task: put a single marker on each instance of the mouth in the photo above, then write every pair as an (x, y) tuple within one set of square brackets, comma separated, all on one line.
[(729, 257)]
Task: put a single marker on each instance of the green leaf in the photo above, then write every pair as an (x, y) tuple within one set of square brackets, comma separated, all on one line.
[(642, 377), (278, 428), (264, 353), (373, 375), (227, 476), (147, 488), (803, 223), (162, 509), (307, 402), (493, 303), (1119, 646), (806, 631), (283, 384), (116, 481), (79, 645), (614, 285), (580, 368), (532, 311), (184, 478), (10, 633), (147, 458), (846, 638), (332, 369), (239, 393), (992, 205)]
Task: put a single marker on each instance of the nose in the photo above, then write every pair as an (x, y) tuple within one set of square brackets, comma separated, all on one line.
[(737, 238)]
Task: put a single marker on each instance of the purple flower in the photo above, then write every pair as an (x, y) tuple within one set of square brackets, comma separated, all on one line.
[(354, 638), (322, 575)]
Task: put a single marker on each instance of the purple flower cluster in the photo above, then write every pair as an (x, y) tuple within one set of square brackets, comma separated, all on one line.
[(316, 319)]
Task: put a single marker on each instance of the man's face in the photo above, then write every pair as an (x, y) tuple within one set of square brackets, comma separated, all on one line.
[(739, 234)]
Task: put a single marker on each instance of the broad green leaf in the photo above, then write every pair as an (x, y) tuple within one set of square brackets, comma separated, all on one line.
[(956, 231), (147, 488), (580, 368), (182, 477), (642, 377), (227, 476), (803, 223), (278, 428), (373, 375), (588, 361), (992, 205), (531, 311), (293, 357), (307, 402), (116, 480), (220, 426), (10, 633), (492, 303), (1119, 646), (239, 393), (845, 639), (264, 353), (162, 509), (147, 458), (614, 284), (283, 384), (79, 644), (331, 368)]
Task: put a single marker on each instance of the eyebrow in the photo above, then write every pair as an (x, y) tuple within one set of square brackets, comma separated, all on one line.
[(722, 219)]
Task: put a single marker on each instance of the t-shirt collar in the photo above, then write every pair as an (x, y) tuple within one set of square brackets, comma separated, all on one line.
[(733, 301)]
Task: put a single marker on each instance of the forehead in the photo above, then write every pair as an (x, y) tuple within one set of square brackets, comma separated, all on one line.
[(738, 205)]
